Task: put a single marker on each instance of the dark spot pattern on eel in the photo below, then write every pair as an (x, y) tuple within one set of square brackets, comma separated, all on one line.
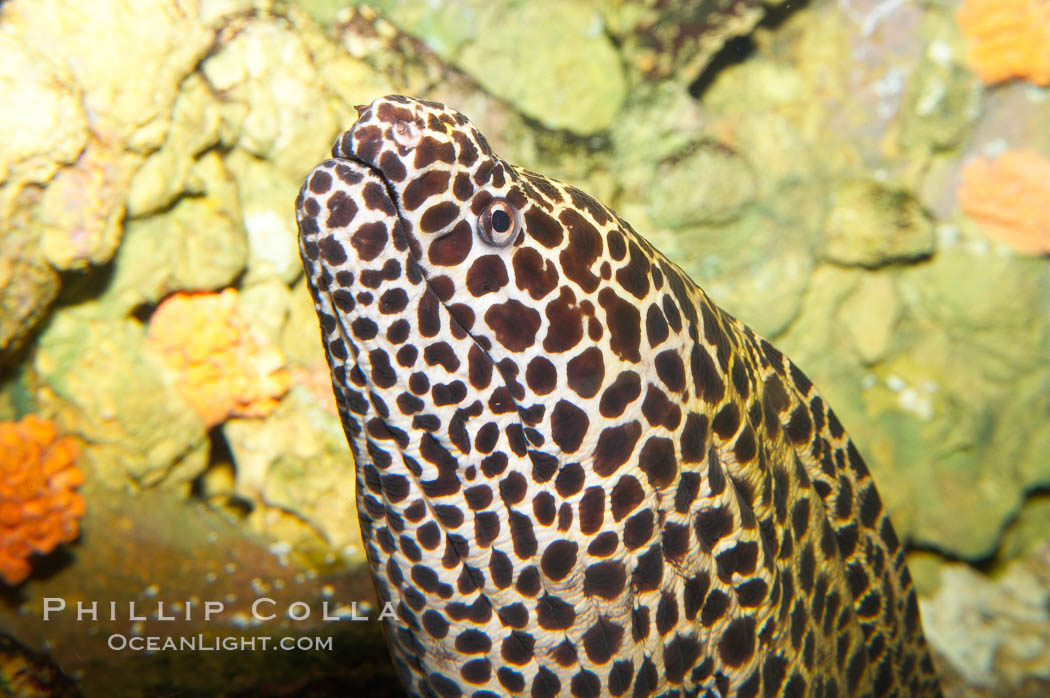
[(576, 475)]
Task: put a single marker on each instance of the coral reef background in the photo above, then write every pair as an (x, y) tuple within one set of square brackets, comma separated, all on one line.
[(862, 181)]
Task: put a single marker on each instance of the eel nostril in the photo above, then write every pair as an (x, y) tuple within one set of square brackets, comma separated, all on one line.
[(406, 134)]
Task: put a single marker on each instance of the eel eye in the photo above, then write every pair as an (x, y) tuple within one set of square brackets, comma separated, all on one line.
[(499, 223)]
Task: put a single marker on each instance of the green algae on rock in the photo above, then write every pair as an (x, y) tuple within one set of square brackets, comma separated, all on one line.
[(972, 379), (663, 40), (293, 462), (708, 183), (758, 265), (44, 113), (137, 430), (869, 315), (81, 209), (199, 244), (135, 114), (940, 102), (567, 75), (550, 58), (271, 245), (871, 225), (198, 122), (402, 59), (286, 109), (28, 284)]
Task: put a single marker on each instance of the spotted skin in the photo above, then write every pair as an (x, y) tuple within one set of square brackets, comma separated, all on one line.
[(576, 475)]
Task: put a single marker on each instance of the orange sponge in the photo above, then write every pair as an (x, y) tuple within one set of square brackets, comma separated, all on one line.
[(1008, 38), (223, 368), (1009, 196), (39, 505)]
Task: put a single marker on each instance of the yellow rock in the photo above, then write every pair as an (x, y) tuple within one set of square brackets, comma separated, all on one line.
[(127, 56), (870, 314), (42, 121), (266, 67)]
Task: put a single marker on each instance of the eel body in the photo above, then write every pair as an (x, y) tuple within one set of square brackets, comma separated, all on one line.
[(576, 475)]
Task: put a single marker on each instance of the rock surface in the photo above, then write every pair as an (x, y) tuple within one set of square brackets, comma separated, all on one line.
[(870, 226), (550, 58), (28, 284), (293, 462), (995, 632), (675, 41), (135, 428)]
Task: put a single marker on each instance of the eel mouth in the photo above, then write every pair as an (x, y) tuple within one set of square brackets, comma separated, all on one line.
[(349, 148), (365, 152)]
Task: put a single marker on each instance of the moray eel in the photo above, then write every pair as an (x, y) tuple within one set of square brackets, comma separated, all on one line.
[(576, 475)]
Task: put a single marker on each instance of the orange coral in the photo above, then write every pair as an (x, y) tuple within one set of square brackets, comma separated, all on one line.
[(1008, 38), (39, 505), (1009, 196), (223, 368)]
